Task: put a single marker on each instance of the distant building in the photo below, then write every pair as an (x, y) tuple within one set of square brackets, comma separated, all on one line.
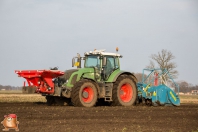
[(181, 93), (2, 89), (194, 92)]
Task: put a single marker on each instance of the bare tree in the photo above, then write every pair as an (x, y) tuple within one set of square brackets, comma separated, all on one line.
[(139, 76), (151, 65), (164, 61), (184, 86)]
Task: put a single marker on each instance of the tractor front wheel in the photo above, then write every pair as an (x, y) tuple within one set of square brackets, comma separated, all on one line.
[(124, 92), (84, 93)]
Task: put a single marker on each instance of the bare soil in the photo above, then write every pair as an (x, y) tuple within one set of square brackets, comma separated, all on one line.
[(38, 117)]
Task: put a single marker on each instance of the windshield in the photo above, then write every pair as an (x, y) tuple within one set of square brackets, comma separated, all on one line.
[(92, 61)]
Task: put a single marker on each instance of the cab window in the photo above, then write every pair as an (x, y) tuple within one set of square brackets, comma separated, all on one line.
[(92, 61)]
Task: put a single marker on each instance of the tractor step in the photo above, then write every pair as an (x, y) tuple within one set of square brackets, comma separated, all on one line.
[(108, 99), (108, 91)]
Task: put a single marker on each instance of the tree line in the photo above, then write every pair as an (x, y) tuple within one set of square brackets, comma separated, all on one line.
[(184, 86), (8, 87)]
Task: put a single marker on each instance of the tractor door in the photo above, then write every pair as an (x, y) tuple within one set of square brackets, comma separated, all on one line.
[(111, 65), (93, 61)]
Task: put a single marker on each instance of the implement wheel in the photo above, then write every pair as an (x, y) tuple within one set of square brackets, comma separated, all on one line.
[(124, 91), (84, 94)]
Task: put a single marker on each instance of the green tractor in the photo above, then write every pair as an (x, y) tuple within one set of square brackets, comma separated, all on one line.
[(100, 79)]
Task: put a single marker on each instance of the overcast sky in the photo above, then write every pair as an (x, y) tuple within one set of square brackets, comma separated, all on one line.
[(39, 34)]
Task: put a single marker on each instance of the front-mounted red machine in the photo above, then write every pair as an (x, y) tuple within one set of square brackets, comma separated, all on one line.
[(42, 79)]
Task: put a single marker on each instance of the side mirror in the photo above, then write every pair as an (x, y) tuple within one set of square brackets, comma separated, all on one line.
[(104, 61), (76, 63)]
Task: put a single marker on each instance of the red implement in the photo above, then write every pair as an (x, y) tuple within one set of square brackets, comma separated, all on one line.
[(42, 79)]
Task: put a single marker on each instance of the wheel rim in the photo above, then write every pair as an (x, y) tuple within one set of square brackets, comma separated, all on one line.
[(126, 92), (87, 94)]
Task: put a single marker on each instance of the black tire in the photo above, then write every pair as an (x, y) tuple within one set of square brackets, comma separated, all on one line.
[(124, 92), (84, 93), (50, 100)]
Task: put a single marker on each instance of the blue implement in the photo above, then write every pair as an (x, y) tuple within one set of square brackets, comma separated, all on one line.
[(151, 92)]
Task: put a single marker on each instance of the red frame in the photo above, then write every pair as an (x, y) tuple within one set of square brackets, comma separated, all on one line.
[(42, 79)]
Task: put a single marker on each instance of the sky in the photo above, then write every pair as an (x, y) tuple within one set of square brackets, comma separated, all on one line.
[(40, 34)]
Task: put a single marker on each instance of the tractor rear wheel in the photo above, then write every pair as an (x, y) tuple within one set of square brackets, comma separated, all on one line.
[(84, 94), (124, 92)]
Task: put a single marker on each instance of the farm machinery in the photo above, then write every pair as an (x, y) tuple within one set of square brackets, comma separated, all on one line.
[(99, 81), (154, 89)]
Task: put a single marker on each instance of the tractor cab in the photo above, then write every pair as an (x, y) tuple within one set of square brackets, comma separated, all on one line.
[(104, 63)]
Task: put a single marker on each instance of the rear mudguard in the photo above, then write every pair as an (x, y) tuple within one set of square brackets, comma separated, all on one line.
[(113, 77)]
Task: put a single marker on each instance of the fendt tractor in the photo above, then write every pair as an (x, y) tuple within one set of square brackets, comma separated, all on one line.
[(100, 80)]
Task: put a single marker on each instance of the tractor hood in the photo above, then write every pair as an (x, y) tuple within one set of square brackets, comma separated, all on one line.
[(74, 75), (68, 73)]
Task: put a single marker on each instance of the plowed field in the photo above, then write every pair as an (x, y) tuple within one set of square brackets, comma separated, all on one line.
[(37, 117)]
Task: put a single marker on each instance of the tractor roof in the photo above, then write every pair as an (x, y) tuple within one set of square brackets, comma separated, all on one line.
[(102, 52)]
